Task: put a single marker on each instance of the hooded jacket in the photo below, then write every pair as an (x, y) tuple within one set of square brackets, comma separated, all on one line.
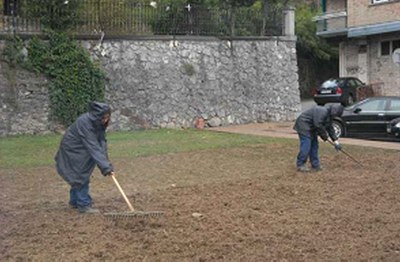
[(318, 121), (84, 146)]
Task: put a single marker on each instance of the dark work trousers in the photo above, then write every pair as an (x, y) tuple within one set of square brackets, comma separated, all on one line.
[(308, 149), (79, 196)]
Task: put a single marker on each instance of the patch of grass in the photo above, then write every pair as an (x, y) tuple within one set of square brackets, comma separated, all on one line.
[(28, 151), (166, 141), (33, 151)]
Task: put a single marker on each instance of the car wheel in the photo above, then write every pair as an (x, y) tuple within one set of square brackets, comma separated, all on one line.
[(338, 128)]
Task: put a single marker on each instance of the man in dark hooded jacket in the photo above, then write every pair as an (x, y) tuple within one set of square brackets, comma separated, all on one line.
[(314, 122), (82, 148)]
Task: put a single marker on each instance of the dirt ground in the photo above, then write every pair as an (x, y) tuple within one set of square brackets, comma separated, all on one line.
[(253, 206)]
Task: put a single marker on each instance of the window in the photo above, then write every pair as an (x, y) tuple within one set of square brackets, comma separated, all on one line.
[(394, 105), (379, 1), (373, 105), (358, 82), (395, 45), (351, 83), (330, 83), (385, 48)]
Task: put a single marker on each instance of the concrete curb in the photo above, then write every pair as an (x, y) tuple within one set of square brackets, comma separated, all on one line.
[(285, 130)]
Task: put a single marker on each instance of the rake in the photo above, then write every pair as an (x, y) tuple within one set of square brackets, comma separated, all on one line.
[(347, 154), (132, 213)]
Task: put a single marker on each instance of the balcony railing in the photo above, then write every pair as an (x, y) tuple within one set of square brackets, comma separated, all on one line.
[(332, 24)]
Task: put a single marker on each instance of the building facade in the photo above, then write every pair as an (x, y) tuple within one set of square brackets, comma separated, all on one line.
[(367, 33)]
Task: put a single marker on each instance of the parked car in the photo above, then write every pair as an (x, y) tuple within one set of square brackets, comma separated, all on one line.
[(338, 90), (393, 127), (368, 118)]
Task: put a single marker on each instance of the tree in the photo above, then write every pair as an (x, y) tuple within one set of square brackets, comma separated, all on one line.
[(309, 44), (316, 58)]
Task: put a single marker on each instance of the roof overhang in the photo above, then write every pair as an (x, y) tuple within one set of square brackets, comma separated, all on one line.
[(333, 33), (373, 29)]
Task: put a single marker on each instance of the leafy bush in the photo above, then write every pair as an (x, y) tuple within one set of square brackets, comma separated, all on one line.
[(12, 52), (74, 79)]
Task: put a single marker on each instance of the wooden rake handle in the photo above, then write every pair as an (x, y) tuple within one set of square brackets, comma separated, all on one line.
[(122, 193)]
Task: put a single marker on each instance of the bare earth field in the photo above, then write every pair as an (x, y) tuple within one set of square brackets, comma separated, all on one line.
[(254, 206)]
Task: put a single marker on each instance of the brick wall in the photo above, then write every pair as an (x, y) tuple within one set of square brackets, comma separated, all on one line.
[(363, 12), (336, 5)]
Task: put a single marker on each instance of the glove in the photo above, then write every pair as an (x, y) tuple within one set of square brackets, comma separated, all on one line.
[(338, 146), (324, 137), (109, 173)]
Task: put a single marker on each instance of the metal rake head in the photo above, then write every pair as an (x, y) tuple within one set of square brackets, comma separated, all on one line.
[(134, 214)]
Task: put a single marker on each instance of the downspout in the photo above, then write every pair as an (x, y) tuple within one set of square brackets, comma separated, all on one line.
[(323, 7)]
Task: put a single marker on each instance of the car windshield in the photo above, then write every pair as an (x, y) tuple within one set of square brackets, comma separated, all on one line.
[(332, 83)]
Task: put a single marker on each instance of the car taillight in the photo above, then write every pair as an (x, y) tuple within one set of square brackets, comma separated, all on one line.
[(339, 91), (314, 92)]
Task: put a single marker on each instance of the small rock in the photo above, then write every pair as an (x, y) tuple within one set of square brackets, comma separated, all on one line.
[(197, 215), (214, 122)]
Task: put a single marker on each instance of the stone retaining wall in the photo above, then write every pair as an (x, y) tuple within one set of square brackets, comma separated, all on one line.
[(171, 82), (24, 103)]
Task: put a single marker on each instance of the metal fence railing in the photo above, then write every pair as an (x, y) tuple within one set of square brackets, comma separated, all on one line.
[(130, 17), (334, 22)]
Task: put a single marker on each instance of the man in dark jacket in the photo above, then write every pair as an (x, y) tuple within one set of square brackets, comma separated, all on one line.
[(82, 148), (314, 122)]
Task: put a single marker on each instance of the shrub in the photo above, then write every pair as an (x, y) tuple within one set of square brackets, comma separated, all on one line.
[(75, 79)]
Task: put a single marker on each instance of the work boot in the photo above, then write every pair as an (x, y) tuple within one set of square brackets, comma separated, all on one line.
[(88, 210), (72, 206), (317, 169), (303, 169)]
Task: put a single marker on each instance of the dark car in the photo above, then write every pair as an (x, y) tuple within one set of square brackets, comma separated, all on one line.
[(393, 127), (338, 90), (368, 118)]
